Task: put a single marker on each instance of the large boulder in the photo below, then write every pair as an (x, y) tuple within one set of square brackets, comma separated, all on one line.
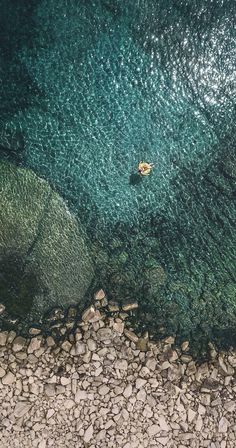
[(44, 259)]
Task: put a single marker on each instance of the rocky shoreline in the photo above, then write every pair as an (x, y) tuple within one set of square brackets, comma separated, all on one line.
[(103, 386)]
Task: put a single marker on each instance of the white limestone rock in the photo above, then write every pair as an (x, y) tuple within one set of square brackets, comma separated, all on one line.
[(153, 430), (8, 379), (121, 364), (140, 382), (49, 390), (92, 345), (104, 334), (91, 315), (128, 391), (80, 395), (162, 440), (50, 341), (163, 423), (131, 335), (80, 348), (69, 404), (151, 364), (22, 408), (65, 381), (119, 327), (3, 338), (191, 415), (2, 372), (42, 444), (223, 425), (66, 346), (103, 390), (199, 423), (88, 434), (34, 345), (11, 336), (141, 395), (230, 406)]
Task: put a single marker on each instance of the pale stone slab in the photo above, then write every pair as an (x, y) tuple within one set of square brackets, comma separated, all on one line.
[(22, 408), (153, 430), (88, 434), (8, 379)]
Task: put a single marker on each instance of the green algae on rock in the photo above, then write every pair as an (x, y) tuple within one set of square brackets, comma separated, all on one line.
[(44, 260)]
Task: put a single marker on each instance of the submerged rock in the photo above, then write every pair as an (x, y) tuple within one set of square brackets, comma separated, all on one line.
[(18, 344), (185, 346), (91, 315), (113, 307), (56, 314), (130, 306), (142, 344), (3, 338), (34, 331), (71, 312), (43, 249), (155, 276), (131, 335), (99, 295), (2, 308)]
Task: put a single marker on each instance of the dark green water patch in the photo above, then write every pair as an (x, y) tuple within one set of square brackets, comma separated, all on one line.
[(17, 30), (18, 285)]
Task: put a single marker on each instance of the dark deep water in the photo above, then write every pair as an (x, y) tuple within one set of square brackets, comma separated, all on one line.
[(90, 88)]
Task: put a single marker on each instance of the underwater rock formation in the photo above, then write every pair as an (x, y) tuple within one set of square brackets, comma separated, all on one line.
[(43, 255)]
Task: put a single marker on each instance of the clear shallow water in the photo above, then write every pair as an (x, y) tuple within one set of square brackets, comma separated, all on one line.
[(91, 88)]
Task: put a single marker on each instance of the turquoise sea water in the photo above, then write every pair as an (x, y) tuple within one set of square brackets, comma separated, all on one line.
[(90, 88)]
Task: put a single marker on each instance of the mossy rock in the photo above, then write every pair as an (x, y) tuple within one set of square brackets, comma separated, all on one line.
[(155, 276), (119, 259), (44, 258)]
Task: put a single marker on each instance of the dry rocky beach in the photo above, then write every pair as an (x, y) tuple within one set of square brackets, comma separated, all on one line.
[(104, 386)]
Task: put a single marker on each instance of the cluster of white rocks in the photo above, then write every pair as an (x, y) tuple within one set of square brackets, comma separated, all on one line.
[(105, 387)]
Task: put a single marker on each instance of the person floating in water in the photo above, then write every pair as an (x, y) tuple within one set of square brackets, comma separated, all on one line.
[(145, 168)]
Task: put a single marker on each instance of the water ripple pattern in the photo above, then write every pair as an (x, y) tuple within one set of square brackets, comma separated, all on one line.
[(110, 83)]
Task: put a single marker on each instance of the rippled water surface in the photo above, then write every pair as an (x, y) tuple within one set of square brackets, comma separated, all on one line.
[(90, 88)]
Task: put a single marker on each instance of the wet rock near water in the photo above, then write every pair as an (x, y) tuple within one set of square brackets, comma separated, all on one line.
[(2, 308), (59, 322), (103, 385)]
